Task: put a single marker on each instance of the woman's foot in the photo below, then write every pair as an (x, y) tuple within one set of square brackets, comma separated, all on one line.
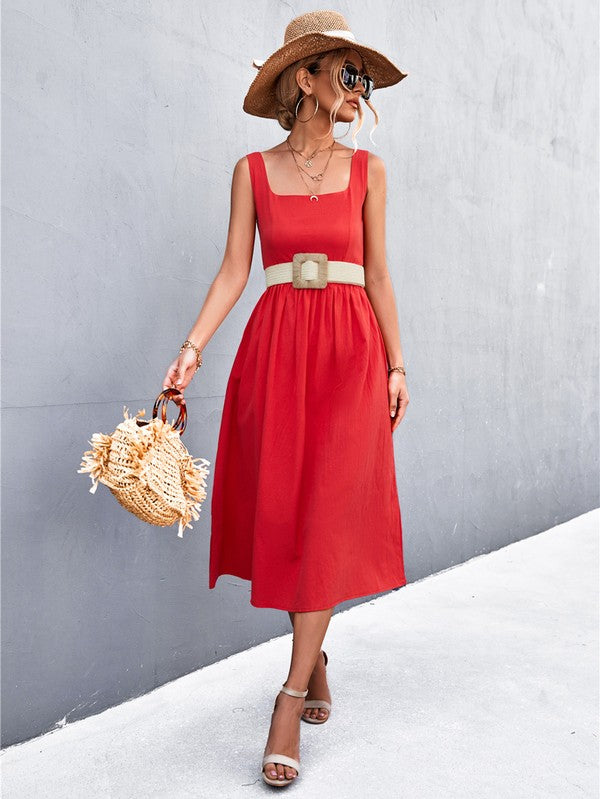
[(318, 689), (284, 735)]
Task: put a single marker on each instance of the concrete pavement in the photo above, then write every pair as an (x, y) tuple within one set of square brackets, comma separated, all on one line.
[(479, 682)]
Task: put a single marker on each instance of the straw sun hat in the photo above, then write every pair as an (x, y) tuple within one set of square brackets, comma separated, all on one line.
[(309, 34)]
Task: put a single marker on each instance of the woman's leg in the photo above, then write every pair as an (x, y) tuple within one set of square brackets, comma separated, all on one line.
[(317, 685), (284, 735)]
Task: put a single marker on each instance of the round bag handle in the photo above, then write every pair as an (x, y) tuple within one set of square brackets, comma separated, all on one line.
[(162, 401)]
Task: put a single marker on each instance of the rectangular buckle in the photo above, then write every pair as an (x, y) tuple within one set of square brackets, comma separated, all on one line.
[(309, 270)]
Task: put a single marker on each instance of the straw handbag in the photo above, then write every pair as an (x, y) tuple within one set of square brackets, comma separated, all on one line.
[(147, 467)]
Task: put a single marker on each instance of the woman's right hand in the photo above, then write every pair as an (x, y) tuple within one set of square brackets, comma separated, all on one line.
[(180, 372)]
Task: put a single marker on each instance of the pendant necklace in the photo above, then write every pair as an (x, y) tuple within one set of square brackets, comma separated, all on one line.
[(319, 177), (307, 161)]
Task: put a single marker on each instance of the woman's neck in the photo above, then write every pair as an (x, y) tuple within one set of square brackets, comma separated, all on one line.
[(307, 141)]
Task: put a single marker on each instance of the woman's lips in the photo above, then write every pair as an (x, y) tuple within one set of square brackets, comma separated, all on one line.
[(353, 103)]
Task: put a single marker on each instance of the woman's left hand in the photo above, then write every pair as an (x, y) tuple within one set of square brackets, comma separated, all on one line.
[(398, 396)]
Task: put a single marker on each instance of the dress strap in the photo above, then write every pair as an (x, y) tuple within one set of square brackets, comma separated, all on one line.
[(257, 179), (363, 173)]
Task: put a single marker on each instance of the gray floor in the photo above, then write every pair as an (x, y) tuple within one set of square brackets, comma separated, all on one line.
[(478, 682)]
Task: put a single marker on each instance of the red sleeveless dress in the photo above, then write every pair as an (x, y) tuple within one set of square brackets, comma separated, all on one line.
[(304, 501)]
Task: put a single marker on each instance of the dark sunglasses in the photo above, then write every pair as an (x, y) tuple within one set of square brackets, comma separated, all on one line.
[(350, 77)]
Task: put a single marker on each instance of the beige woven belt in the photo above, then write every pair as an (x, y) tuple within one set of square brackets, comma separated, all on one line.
[(313, 270)]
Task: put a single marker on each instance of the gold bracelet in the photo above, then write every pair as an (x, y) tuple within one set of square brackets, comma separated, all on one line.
[(190, 345), (396, 369)]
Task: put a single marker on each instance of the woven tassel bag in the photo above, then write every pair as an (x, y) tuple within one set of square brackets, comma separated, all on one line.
[(147, 467)]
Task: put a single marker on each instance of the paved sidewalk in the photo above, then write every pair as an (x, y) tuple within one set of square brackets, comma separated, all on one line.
[(480, 682)]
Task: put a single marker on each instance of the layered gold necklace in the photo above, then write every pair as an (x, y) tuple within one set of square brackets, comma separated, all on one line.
[(308, 162)]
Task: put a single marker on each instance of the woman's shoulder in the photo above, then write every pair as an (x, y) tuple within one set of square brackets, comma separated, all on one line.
[(373, 157), (371, 161), (247, 163), (375, 171), (245, 169), (247, 157), (375, 162)]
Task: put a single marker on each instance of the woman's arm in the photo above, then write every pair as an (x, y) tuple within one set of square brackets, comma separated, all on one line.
[(230, 280), (378, 283)]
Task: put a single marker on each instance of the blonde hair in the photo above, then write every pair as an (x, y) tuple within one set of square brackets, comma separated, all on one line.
[(288, 93)]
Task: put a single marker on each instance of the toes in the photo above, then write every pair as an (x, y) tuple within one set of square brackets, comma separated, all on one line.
[(280, 772), (316, 713)]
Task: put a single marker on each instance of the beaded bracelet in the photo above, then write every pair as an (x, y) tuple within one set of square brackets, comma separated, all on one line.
[(190, 345)]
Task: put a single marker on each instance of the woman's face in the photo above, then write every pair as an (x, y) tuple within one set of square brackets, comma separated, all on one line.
[(320, 84)]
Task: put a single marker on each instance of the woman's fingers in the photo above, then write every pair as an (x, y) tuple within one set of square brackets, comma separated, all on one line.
[(393, 392), (398, 398), (181, 372), (171, 376)]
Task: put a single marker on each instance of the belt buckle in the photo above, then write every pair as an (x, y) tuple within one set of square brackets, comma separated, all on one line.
[(309, 270)]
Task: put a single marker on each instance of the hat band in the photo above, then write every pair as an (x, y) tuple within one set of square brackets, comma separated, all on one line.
[(341, 34)]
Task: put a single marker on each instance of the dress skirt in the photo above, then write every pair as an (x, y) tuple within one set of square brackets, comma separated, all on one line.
[(304, 501)]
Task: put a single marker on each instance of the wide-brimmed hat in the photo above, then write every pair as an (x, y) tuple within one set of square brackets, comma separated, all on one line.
[(309, 34)]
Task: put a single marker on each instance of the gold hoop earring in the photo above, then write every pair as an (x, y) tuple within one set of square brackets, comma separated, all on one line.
[(298, 103), (345, 134)]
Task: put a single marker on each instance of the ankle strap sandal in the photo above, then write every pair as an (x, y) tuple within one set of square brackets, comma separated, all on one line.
[(317, 703), (284, 760)]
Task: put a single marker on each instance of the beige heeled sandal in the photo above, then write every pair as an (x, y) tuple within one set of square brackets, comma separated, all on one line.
[(284, 760), (317, 703)]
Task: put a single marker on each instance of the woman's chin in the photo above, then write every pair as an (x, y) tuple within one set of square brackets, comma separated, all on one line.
[(346, 115)]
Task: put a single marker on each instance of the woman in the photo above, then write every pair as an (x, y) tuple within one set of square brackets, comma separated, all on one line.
[(304, 499)]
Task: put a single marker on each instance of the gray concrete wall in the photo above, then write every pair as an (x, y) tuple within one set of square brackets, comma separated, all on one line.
[(121, 126)]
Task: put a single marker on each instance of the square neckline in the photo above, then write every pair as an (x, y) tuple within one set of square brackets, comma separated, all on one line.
[(325, 194)]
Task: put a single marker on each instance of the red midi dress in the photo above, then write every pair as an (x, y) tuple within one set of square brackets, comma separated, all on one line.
[(304, 501)]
